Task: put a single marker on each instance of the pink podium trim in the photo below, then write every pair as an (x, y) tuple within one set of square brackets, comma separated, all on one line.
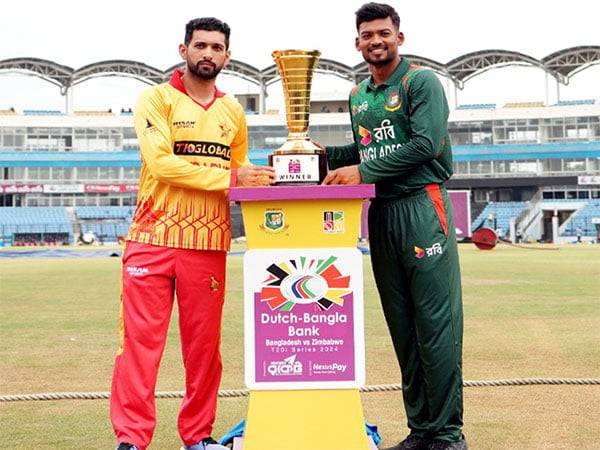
[(317, 192)]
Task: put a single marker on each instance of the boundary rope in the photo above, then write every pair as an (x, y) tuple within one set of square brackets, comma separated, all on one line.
[(235, 393)]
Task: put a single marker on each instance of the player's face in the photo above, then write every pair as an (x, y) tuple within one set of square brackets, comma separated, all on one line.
[(206, 53), (378, 41)]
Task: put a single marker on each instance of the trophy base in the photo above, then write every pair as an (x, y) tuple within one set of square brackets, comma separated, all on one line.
[(299, 169)]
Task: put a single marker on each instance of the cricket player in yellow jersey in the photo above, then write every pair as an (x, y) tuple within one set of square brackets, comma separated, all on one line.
[(194, 146)]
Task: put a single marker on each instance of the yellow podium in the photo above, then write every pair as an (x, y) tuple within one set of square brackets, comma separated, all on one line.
[(303, 317)]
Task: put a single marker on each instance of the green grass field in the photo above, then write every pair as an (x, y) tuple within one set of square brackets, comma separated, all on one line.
[(527, 314)]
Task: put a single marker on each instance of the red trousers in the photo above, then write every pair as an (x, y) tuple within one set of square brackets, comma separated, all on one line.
[(151, 277)]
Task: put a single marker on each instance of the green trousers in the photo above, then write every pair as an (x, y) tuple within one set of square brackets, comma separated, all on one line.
[(416, 268)]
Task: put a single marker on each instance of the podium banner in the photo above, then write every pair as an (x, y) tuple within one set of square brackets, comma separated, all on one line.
[(304, 318)]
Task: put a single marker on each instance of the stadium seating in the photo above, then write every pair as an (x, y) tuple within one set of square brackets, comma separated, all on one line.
[(104, 212), (43, 112), (498, 215), (107, 223), (477, 106), (582, 220), (106, 231), (29, 220), (93, 113), (589, 101), (524, 105)]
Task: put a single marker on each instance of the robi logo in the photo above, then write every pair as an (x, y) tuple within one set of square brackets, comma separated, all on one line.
[(365, 134), (419, 252)]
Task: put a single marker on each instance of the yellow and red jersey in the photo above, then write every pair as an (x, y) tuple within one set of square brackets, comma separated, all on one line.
[(187, 151)]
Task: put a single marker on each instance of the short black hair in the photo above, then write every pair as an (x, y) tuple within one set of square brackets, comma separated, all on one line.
[(372, 11), (206, 24)]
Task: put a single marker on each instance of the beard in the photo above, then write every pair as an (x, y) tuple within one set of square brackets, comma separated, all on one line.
[(205, 72), (380, 62)]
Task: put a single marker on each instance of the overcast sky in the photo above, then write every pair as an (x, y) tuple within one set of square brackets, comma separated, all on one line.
[(79, 33)]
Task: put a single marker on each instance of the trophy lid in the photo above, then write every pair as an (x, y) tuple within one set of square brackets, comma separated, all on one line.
[(295, 52)]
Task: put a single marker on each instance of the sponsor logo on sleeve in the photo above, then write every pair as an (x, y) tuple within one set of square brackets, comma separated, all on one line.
[(150, 128)]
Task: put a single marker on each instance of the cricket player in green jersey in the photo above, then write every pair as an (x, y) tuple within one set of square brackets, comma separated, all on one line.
[(401, 143)]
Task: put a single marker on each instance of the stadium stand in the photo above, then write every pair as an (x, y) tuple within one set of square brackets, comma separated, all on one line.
[(107, 223), (589, 101), (42, 112), (93, 113), (581, 220), (104, 212), (35, 225), (497, 215), (106, 232), (477, 106), (520, 151), (524, 105)]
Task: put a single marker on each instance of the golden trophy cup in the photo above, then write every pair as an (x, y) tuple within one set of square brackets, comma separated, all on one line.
[(298, 161)]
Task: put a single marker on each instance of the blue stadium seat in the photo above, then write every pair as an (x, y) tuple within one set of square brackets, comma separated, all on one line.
[(588, 101), (42, 112), (503, 213), (477, 106), (27, 220), (582, 220), (105, 212)]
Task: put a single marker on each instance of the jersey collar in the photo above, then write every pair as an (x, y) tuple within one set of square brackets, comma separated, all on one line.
[(394, 78), (177, 83)]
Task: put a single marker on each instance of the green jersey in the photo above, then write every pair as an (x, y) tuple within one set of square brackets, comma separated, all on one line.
[(400, 129)]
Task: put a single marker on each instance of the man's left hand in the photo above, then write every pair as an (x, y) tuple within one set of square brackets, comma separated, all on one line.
[(343, 175)]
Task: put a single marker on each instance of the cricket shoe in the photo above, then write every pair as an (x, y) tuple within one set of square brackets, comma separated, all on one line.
[(206, 444), (437, 444), (127, 446), (412, 443)]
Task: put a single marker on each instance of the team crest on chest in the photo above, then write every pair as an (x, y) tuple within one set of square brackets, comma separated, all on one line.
[(225, 130), (393, 102)]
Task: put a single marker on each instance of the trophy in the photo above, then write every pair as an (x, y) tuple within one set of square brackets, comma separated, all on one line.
[(298, 161)]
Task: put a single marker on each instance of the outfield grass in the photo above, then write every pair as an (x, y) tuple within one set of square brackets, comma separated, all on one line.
[(528, 313)]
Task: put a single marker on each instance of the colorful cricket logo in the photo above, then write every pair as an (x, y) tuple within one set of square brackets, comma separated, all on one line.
[(304, 281), (365, 135)]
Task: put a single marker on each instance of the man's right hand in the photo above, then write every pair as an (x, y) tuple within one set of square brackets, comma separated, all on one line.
[(252, 175)]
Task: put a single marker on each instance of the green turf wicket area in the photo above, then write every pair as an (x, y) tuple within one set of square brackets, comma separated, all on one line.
[(528, 313)]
